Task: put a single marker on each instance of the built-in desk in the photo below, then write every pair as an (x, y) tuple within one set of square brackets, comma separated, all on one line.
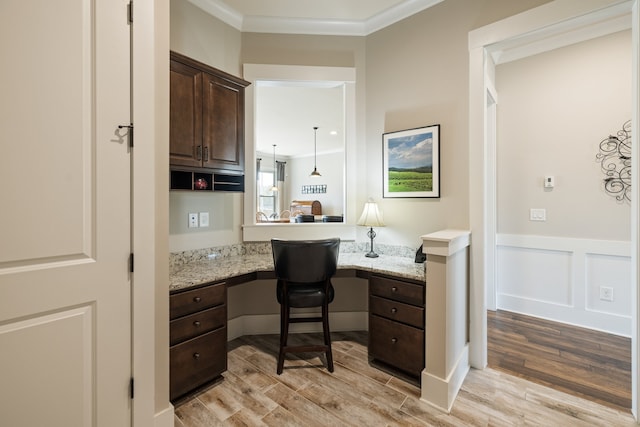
[(207, 307), (206, 278)]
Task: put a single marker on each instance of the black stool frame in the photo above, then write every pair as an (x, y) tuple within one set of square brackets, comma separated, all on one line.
[(304, 269)]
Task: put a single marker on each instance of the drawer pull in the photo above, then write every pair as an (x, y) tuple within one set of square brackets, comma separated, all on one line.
[(394, 340), (196, 356), (197, 299), (196, 323), (394, 310), (394, 289)]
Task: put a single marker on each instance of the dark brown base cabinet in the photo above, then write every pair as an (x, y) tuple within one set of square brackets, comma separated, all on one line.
[(198, 337), (396, 323)]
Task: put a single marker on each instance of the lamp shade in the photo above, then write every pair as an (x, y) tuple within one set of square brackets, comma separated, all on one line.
[(371, 216)]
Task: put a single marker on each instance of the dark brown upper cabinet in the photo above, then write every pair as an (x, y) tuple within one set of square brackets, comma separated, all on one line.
[(207, 117)]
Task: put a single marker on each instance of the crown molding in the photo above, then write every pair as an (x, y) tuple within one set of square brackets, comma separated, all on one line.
[(565, 33), (338, 27)]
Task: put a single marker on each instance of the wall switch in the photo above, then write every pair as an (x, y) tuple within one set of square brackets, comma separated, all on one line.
[(193, 220), (538, 215), (606, 293), (204, 219)]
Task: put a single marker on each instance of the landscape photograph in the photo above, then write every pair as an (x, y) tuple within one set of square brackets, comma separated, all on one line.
[(410, 157)]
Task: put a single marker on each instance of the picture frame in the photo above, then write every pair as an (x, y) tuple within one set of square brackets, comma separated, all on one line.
[(411, 163)]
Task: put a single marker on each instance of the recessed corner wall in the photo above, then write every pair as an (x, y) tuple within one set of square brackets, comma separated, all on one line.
[(553, 111)]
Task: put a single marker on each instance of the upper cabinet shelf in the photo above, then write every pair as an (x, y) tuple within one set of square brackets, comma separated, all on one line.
[(206, 118)]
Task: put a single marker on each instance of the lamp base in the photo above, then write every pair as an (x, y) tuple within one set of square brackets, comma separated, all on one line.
[(371, 234)]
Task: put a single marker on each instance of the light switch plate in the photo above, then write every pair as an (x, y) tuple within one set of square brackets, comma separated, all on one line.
[(538, 215), (204, 219)]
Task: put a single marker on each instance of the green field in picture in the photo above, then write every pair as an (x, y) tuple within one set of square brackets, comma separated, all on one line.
[(409, 180)]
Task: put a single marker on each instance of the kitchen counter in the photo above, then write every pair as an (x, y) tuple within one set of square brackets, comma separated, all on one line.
[(201, 271)]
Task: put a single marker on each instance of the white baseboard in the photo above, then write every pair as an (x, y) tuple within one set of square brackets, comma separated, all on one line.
[(164, 418), (441, 392)]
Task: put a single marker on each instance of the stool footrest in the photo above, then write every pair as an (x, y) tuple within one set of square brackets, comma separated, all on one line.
[(305, 348)]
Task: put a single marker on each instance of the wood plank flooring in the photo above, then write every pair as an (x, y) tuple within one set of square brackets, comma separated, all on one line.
[(580, 361), (358, 394)]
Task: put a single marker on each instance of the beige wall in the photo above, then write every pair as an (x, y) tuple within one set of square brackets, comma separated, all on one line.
[(417, 75), (411, 74), (202, 37), (553, 111)]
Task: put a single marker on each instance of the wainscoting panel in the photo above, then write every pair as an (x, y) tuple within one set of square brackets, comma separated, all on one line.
[(561, 279)]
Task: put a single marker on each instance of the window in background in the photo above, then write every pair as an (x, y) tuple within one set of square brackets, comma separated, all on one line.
[(266, 196)]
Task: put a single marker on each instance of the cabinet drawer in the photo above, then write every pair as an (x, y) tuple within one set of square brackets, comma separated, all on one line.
[(398, 345), (195, 300), (196, 324), (397, 311), (197, 361), (397, 290)]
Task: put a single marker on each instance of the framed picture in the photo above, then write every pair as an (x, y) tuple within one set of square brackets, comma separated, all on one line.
[(411, 162)]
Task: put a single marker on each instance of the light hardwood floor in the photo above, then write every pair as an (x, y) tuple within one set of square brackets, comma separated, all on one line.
[(358, 394)]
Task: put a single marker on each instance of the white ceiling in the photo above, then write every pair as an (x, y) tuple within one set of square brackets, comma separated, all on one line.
[(334, 17), (286, 114)]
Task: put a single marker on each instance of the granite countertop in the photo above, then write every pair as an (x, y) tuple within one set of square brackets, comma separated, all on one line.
[(202, 271)]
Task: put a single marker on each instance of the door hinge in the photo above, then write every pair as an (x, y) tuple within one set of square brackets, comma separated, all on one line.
[(129, 132), (131, 262), (130, 13), (131, 388)]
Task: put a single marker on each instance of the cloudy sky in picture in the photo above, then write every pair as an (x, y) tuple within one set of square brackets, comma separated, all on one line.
[(411, 151)]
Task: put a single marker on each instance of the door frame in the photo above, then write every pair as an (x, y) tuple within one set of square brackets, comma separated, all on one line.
[(150, 214), (552, 25)]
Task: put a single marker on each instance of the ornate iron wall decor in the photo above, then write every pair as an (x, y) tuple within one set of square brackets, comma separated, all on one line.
[(615, 162)]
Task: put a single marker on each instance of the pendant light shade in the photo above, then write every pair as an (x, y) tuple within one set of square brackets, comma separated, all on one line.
[(315, 172)]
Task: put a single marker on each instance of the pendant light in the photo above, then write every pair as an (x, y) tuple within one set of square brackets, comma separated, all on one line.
[(315, 172), (275, 171)]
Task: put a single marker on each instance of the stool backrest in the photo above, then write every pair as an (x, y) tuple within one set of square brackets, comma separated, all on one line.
[(305, 261)]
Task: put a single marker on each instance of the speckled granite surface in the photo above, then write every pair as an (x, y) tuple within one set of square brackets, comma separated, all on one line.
[(192, 268)]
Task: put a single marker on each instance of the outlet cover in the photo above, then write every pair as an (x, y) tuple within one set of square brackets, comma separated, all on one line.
[(606, 293), (204, 219), (193, 220)]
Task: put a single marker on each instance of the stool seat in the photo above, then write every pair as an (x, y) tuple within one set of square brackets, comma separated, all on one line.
[(304, 269), (306, 295)]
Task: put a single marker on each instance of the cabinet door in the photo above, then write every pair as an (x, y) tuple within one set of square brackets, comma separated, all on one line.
[(223, 124), (185, 141)]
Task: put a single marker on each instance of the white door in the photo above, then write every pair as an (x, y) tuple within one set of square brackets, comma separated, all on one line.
[(65, 351)]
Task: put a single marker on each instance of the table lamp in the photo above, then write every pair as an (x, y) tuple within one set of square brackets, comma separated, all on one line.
[(371, 217)]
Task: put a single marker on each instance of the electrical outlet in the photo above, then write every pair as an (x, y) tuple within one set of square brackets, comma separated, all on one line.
[(193, 220), (606, 293), (204, 219)]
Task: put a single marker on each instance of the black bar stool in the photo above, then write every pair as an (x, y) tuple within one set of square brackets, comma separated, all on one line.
[(304, 269)]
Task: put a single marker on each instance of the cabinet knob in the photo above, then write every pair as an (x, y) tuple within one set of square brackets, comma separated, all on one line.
[(196, 356), (394, 289), (197, 299), (394, 310), (394, 340), (196, 323)]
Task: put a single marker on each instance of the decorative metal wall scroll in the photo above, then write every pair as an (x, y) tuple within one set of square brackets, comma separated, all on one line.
[(615, 162), (314, 189)]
